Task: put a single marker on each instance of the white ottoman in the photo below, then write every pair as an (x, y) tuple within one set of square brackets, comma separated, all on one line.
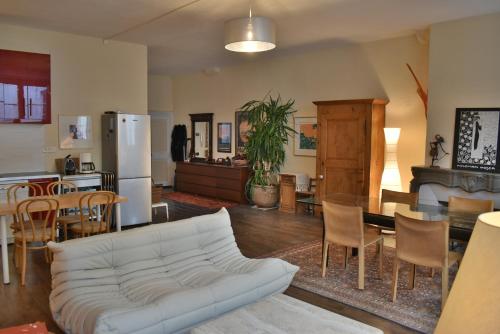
[(283, 314)]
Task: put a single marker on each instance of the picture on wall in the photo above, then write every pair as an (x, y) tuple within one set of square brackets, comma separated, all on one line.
[(75, 132), (241, 130), (476, 139), (306, 136), (224, 137)]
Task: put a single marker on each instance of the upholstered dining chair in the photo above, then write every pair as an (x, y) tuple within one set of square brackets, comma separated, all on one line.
[(65, 218), (344, 226), (96, 210), (469, 205), (423, 243), (399, 197), (391, 196), (34, 233)]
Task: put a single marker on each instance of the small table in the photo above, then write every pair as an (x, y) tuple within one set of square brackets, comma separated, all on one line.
[(461, 224), (283, 314), (66, 201)]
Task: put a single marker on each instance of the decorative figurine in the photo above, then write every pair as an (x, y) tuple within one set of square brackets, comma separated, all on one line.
[(436, 146)]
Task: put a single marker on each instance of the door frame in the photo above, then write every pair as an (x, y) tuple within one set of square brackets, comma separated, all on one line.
[(164, 156)]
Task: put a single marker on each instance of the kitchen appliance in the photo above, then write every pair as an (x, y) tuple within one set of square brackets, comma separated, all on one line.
[(126, 151), (69, 165), (86, 164)]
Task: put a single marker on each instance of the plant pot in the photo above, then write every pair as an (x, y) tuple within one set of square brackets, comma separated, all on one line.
[(265, 196)]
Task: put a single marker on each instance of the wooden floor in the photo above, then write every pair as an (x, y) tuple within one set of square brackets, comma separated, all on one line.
[(257, 233)]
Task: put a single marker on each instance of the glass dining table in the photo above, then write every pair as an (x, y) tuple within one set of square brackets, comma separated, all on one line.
[(461, 224)]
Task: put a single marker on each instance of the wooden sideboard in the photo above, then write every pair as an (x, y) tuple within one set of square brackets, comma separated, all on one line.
[(222, 182)]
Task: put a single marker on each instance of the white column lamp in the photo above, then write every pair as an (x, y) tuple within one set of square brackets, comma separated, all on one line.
[(391, 179)]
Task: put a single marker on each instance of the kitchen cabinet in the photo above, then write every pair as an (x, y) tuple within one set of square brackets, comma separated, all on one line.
[(24, 87)]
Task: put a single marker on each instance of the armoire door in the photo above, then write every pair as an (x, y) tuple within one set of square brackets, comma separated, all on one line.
[(342, 147)]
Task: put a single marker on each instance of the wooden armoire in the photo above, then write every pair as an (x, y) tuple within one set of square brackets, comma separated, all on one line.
[(350, 149)]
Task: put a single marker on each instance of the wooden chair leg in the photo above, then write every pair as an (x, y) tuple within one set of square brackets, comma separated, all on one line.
[(361, 268), (324, 258), (381, 258), (47, 255), (345, 256), (444, 287), (23, 265), (65, 227), (433, 271), (411, 284), (395, 273)]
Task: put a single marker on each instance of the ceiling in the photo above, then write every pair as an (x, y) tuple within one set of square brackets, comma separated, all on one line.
[(191, 38)]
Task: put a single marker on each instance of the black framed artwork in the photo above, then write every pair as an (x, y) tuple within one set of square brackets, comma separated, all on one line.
[(477, 139), (241, 130), (224, 137)]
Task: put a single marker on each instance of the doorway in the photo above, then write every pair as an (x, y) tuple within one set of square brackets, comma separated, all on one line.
[(162, 166)]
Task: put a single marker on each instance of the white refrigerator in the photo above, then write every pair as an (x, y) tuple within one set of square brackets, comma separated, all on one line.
[(126, 151)]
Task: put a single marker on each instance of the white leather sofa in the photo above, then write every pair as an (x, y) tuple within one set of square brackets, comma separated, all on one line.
[(161, 278)]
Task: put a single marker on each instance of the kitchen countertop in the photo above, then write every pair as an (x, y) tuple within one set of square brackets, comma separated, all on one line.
[(27, 176)]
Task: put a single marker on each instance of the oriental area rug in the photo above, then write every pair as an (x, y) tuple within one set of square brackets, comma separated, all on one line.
[(418, 309)]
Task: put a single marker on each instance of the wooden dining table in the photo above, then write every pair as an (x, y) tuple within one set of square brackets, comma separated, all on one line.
[(66, 201)]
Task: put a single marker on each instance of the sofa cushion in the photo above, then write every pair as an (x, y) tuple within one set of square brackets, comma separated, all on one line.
[(160, 278)]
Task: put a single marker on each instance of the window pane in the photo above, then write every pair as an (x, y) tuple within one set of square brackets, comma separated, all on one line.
[(36, 111), (11, 111), (10, 92)]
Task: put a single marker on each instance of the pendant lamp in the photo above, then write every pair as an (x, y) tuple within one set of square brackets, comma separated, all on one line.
[(250, 34)]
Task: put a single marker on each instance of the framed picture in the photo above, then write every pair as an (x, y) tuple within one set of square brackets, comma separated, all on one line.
[(224, 137), (75, 132), (476, 139), (241, 130), (306, 137)]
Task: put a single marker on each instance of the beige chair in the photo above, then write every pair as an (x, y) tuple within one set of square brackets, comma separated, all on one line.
[(34, 234), (391, 196), (469, 205), (344, 226), (423, 243), (399, 197), (65, 219), (95, 218)]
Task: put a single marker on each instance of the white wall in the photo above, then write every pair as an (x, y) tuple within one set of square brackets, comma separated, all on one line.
[(372, 70), (87, 78), (160, 93), (464, 71)]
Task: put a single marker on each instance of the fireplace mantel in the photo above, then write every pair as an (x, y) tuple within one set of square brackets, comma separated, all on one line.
[(452, 178)]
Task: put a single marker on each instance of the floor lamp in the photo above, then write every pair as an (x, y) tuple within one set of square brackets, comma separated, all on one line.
[(391, 179), (473, 305)]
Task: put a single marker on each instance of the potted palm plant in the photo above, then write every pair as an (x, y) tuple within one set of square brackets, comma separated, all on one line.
[(265, 148)]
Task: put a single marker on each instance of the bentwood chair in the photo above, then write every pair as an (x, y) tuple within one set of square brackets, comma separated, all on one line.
[(96, 210), (469, 205), (34, 234), (65, 218), (13, 197), (344, 226), (423, 243)]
